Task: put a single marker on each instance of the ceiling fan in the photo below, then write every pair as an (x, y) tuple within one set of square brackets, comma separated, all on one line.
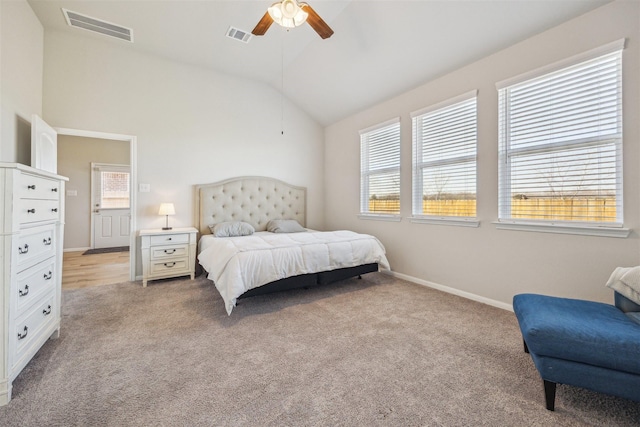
[(290, 14)]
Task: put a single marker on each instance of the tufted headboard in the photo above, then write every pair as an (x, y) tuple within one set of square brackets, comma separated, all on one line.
[(251, 199)]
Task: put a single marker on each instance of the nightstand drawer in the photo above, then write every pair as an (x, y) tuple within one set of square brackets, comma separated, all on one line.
[(170, 267), (169, 251), (169, 239)]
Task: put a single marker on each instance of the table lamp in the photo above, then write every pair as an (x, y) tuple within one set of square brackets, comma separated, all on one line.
[(167, 209)]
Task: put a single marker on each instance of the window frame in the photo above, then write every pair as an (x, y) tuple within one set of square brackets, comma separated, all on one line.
[(505, 219), (418, 168), (366, 172)]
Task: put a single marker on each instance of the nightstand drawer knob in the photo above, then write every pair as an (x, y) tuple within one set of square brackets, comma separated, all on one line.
[(24, 249), (47, 311), (25, 292), (48, 276), (169, 251), (47, 241), (169, 264)]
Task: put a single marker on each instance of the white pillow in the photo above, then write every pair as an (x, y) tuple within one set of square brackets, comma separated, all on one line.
[(284, 226), (231, 229)]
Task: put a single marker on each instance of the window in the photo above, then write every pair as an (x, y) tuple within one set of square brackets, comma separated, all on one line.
[(380, 169), (114, 190), (561, 143), (444, 159)]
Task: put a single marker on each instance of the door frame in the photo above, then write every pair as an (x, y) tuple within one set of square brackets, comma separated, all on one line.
[(95, 165), (133, 163)]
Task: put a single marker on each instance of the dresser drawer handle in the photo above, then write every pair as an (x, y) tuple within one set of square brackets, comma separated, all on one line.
[(25, 292), (31, 187), (23, 336), (23, 250), (169, 251), (31, 210), (48, 276), (47, 241), (55, 190), (166, 264), (47, 311), (54, 209)]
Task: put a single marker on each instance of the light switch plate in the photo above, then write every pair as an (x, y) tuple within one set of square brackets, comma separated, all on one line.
[(145, 188)]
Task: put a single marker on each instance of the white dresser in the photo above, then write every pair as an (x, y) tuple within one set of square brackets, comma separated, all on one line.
[(168, 253), (31, 229)]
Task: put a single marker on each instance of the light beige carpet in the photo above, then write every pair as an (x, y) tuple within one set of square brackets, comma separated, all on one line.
[(377, 351)]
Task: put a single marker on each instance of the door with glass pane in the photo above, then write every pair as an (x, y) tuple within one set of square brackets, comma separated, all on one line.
[(111, 212)]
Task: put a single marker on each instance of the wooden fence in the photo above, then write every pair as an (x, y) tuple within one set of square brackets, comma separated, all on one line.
[(576, 209)]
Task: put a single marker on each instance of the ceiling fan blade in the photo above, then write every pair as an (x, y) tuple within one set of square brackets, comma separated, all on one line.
[(263, 25), (317, 23)]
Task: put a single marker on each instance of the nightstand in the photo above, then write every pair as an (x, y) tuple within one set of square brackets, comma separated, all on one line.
[(168, 253)]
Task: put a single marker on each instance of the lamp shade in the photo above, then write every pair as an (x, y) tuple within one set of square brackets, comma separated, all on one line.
[(167, 209)]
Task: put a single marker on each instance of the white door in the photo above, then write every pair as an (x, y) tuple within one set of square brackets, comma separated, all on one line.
[(111, 209), (44, 145)]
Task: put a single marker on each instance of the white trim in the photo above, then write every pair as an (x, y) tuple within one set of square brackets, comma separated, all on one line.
[(581, 230), (380, 125), (453, 291), (380, 217), (451, 101), (133, 162), (564, 63), (446, 220)]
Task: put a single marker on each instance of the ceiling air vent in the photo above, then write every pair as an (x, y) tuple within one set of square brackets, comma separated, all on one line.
[(236, 34), (78, 20)]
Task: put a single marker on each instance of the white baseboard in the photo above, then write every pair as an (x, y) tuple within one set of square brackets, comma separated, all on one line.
[(454, 291), (75, 249)]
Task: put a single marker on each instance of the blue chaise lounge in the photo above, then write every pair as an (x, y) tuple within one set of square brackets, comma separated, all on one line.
[(582, 343)]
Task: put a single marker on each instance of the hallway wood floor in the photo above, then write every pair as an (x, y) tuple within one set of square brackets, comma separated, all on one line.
[(81, 271)]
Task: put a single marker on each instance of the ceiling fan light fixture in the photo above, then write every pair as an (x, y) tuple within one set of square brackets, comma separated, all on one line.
[(287, 13)]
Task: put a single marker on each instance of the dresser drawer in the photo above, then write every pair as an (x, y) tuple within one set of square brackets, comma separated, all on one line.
[(32, 210), (32, 283), (170, 267), (34, 245), (169, 251), (29, 328), (169, 239), (37, 187)]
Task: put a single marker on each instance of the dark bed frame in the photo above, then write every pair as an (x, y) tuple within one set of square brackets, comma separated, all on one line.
[(310, 280), (256, 200)]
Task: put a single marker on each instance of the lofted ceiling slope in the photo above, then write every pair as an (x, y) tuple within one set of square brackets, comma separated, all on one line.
[(380, 47)]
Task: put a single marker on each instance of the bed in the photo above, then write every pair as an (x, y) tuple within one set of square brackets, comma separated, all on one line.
[(264, 262)]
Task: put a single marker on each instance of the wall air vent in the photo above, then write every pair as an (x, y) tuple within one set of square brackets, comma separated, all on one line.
[(78, 20), (236, 34)]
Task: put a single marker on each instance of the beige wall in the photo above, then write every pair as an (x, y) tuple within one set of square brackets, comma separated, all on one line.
[(192, 125), (21, 53), (488, 263), (75, 155)]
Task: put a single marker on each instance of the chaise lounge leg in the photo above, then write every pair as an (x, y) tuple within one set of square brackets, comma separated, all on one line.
[(526, 349), (550, 394)]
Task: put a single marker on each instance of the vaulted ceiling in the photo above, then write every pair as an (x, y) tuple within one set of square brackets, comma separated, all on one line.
[(379, 49)]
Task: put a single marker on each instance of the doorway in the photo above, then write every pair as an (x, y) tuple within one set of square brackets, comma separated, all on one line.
[(122, 225), (110, 205)]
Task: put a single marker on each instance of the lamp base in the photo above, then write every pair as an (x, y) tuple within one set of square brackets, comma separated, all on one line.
[(167, 228)]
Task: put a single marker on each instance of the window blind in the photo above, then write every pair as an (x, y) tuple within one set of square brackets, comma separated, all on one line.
[(380, 169), (561, 144), (444, 158)]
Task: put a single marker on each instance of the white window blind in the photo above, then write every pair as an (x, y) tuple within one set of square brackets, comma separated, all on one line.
[(444, 158), (561, 144), (380, 169)]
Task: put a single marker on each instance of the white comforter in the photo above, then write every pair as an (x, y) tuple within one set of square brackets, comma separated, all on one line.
[(238, 264)]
